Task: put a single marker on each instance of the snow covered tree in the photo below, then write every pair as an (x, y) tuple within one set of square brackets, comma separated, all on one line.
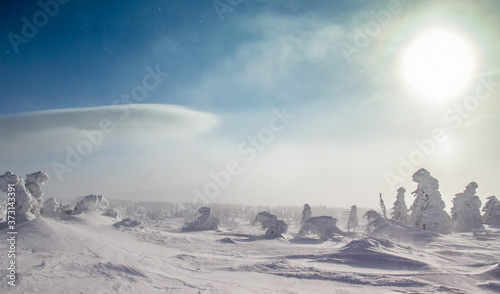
[(205, 220), (270, 222), (34, 183), (382, 206), (375, 220), (50, 207), (399, 210), (323, 226), (491, 211), (427, 210), (465, 213), (352, 222), (91, 202), (3, 210), (306, 213), (26, 207)]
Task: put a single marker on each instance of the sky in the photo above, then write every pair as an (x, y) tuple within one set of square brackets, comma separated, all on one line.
[(251, 102)]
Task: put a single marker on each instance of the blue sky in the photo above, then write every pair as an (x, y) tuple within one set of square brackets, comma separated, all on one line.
[(356, 118)]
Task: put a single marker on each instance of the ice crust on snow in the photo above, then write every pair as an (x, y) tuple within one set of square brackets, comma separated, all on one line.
[(465, 213), (274, 227), (205, 220)]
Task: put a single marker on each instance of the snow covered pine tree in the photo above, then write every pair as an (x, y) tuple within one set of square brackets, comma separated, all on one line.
[(427, 211), (465, 213)]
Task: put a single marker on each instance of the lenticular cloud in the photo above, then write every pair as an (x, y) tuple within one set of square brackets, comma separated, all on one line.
[(52, 130)]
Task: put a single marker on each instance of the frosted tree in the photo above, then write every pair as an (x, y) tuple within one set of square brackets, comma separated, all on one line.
[(382, 206), (399, 210), (323, 226), (205, 220), (491, 211), (270, 222), (306, 213), (26, 207), (427, 210), (465, 213), (91, 202), (34, 183), (352, 222), (3, 210), (50, 207)]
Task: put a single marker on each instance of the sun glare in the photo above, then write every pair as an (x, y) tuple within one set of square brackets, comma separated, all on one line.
[(438, 64)]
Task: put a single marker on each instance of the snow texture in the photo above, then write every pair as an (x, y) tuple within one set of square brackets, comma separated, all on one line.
[(91, 202), (274, 227), (427, 211), (491, 211), (323, 226), (306, 213), (205, 220), (400, 210), (465, 213)]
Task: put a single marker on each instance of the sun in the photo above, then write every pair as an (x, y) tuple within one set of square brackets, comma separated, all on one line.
[(438, 64)]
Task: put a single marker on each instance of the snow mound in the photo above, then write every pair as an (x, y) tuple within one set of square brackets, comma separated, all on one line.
[(46, 236), (322, 226), (288, 269), (376, 252), (130, 223), (126, 271), (397, 231), (91, 202), (227, 241), (205, 220), (490, 285)]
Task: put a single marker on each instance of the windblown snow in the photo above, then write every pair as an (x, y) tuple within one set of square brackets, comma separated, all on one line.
[(98, 245)]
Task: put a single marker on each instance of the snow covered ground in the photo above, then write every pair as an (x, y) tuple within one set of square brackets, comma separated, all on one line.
[(85, 253)]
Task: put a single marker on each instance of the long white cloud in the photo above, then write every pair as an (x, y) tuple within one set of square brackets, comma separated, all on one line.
[(50, 131)]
